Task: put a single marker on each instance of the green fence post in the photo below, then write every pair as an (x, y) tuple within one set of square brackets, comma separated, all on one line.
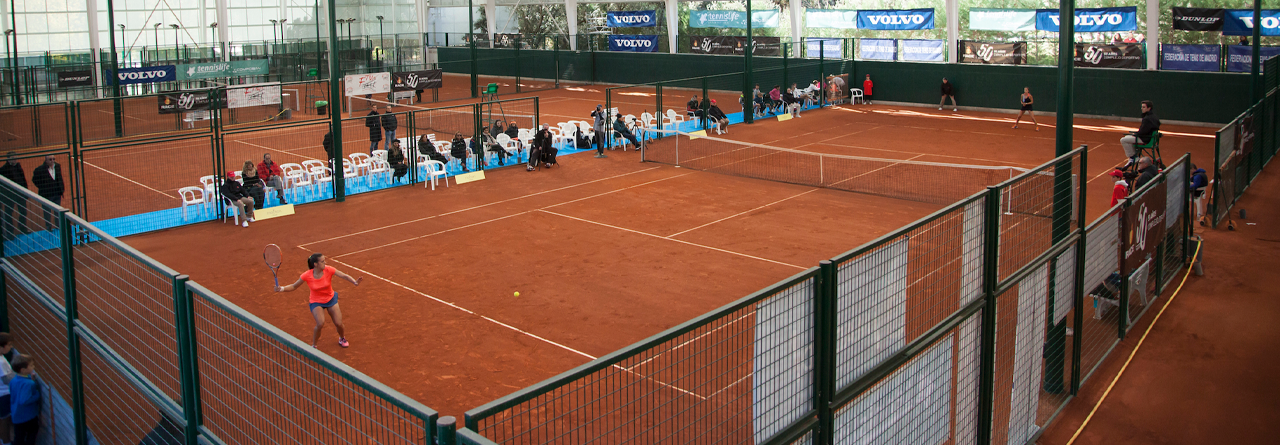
[(1217, 179), (1078, 298), (517, 50), (184, 320), (447, 431), (477, 130), (555, 54), (1188, 206), (990, 276), (786, 68), (1122, 321), (825, 350), (658, 112), (748, 105), (73, 340)]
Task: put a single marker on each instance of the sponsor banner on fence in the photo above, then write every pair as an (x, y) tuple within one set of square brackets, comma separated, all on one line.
[(633, 43), (1239, 22), (416, 80), (505, 40), (1198, 19), (896, 19), (1191, 57), (68, 79), (982, 19), (733, 19), (1124, 55), (1240, 57), (362, 84), (1092, 19), (878, 49), (1144, 225), (831, 18), (993, 53), (185, 101), (923, 50), (223, 69), (828, 48), (764, 46), (150, 74), (631, 19), (254, 95)]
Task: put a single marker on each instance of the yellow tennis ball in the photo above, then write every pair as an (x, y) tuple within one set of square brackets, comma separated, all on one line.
[(517, 294)]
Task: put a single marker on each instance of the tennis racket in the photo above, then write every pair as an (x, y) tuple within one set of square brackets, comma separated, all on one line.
[(272, 257)]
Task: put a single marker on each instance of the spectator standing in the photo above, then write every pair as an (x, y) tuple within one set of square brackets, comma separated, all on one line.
[(1121, 188), (49, 185), (721, 120), (1150, 124), (1146, 172), (948, 90), (12, 169), (238, 197), (374, 123), (600, 119), (24, 399), (1199, 180), (6, 376), (389, 124), (328, 146), (866, 90), (272, 176)]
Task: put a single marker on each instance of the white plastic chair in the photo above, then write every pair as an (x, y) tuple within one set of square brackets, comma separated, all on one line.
[(672, 118), (434, 170), (376, 168), (512, 146), (361, 161), (855, 95), (192, 196), (322, 175), (298, 178), (380, 154)]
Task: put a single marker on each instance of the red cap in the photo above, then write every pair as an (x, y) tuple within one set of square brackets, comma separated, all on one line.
[(231, 174), (1117, 173)]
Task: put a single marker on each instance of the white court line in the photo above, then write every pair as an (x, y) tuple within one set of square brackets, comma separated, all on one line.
[(876, 170), (503, 217), (742, 213), (275, 149), (130, 180), (674, 240), (692, 340), (475, 207)]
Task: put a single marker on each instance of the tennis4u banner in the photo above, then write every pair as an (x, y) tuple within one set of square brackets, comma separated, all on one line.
[(633, 43), (896, 19), (1092, 19), (631, 19), (733, 19)]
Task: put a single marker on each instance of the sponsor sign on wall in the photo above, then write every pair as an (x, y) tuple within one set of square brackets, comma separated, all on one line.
[(732, 19), (254, 95), (416, 80), (764, 46), (831, 18), (631, 19), (362, 84), (1198, 19), (68, 79), (1124, 55), (1239, 22), (878, 49), (828, 48), (223, 69), (993, 53), (1144, 226), (1240, 57), (633, 43), (896, 19), (150, 74), (1092, 19), (982, 19), (923, 50), (184, 101), (1190, 58)]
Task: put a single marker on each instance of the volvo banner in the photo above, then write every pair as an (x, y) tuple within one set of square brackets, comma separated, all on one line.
[(1191, 57), (828, 48), (631, 19), (1198, 19), (416, 80), (994, 53), (878, 49), (896, 19), (764, 46), (923, 50), (150, 74), (831, 18), (733, 19), (1124, 55), (1239, 22), (633, 43), (1240, 57), (1092, 19), (982, 19)]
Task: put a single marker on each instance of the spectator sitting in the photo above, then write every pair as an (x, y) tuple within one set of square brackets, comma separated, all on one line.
[(758, 101), (814, 89), (718, 116), (702, 111), (237, 196), (458, 149), (1150, 124), (790, 103), (581, 140), (620, 127), (429, 150), (253, 184), (691, 107), (774, 101), (395, 158), (272, 176), (1146, 172), (543, 150), (6, 376)]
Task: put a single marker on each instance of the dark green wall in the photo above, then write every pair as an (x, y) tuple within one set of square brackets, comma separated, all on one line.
[(1185, 96)]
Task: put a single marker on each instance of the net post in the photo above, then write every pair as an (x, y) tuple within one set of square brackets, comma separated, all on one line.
[(190, 376), (73, 340), (446, 431), (987, 347), (825, 350), (658, 111)]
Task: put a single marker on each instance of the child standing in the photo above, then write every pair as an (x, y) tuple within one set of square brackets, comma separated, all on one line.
[(866, 90), (24, 395)]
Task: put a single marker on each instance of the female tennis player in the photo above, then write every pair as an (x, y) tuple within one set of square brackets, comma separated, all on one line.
[(1027, 102), (320, 280)]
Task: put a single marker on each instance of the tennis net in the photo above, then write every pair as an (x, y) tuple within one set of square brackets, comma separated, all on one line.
[(931, 182)]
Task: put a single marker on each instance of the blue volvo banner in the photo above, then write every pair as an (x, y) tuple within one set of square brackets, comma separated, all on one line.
[(1239, 22), (635, 44), (1092, 19), (1240, 57), (896, 19), (829, 48), (150, 74), (632, 19), (1190, 58), (878, 49), (923, 50)]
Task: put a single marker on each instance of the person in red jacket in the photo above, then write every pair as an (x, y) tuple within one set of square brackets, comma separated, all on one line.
[(270, 174), (1121, 190), (866, 90)]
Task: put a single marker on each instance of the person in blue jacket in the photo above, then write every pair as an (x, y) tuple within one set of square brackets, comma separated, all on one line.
[(1199, 180), (24, 401)]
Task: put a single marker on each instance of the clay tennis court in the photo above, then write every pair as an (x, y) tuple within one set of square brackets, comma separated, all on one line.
[(604, 252)]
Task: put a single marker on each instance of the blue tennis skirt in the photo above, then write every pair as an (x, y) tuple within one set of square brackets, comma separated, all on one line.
[(333, 301)]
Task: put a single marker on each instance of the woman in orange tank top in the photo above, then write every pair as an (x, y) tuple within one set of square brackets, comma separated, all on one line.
[(319, 279)]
